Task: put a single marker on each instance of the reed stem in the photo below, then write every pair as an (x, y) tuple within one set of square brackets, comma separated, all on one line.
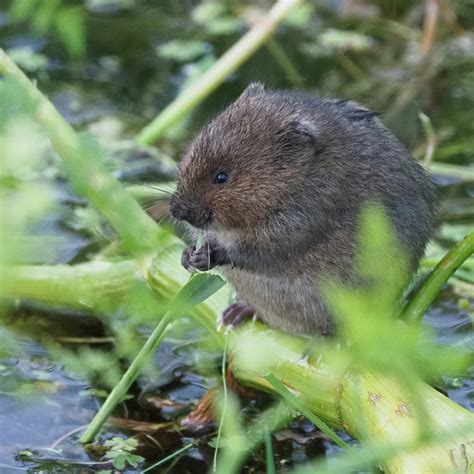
[(218, 72), (438, 277)]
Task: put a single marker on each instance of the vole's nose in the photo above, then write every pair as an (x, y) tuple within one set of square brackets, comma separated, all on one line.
[(190, 211)]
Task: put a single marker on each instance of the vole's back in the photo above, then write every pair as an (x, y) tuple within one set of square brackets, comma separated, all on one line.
[(362, 161)]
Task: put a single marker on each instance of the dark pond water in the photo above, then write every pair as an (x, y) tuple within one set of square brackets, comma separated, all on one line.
[(123, 83)]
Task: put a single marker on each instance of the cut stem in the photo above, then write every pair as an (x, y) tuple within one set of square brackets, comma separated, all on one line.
[(92, 286)]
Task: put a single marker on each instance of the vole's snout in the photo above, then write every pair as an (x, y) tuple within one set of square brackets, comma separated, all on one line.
[(190, 211)]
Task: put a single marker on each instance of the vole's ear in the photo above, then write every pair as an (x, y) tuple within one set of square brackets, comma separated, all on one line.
[(301, 130), (253, 89)]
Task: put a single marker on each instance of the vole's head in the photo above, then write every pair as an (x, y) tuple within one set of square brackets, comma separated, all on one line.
[(244, 166)]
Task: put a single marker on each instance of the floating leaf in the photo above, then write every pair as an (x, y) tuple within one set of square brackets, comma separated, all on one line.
[(182, 50)]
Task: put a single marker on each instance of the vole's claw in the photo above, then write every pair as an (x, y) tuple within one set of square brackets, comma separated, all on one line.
[(197, 259), (187, 258), (235, 314)]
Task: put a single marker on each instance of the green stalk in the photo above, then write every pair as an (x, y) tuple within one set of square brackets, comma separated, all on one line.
[(280, 56), (168, 458), (199, 288), (298, 405), (224, 403), (85, 170), (86, 286), (431, 140), (466, 173), (270, 461), (419, 304), (272, 419), (239, 442), (120, 390), (218, 72)]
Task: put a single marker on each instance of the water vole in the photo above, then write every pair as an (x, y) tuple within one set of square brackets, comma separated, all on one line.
[(276, 183)]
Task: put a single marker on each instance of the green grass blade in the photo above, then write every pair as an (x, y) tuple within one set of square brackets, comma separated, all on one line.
[(298, 405), (425, 295), (270, 461), (168, 458)]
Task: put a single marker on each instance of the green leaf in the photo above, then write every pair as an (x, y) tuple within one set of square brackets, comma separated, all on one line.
[(339, 40), (119, 461), (21, 9), (182, 50), (198, 289), (134, 459), (45, 14), (70, 27), (225, 25), (301, 16), (207, 12)]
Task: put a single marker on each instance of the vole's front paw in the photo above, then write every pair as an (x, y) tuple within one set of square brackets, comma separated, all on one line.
[(235, 314), (201, 259)]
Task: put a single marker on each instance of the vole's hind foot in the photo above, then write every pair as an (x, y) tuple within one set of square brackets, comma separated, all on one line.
[(235, 314), (201, 259)]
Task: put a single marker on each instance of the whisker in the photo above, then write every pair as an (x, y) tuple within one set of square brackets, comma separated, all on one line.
[(160, 220), (208, 255), (231, 261), (155, 188), (150, 206)]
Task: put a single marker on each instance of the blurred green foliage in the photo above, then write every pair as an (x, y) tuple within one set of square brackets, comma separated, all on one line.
[(139, 54), (368, 318), (45, 15)]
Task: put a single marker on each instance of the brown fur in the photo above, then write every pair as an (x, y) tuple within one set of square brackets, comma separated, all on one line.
[(300, 168)]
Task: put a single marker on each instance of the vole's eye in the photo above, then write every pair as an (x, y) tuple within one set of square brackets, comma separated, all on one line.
[(221, 177)]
